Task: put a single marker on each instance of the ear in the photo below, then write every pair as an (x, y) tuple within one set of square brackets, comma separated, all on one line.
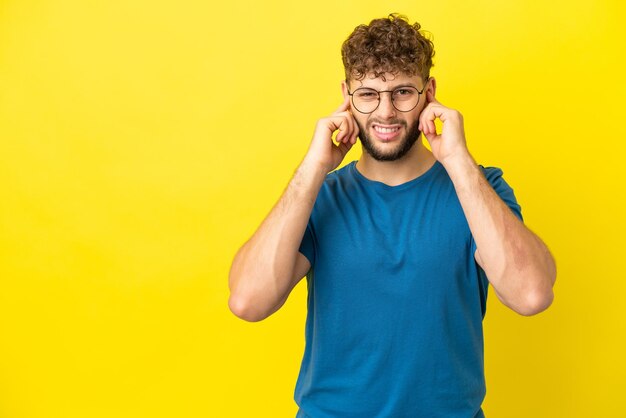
[(344, 89), (431, 87)]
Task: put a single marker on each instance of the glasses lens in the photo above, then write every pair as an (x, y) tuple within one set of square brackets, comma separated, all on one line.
[(405, 98), (365, 100)]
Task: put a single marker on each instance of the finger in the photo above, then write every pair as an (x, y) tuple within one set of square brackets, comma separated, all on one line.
[(344, 126), (430, 125), (355, 135), (432, 129), (350, 126), (344, 106), (431, 137), (341, 128), (426, 116), (433, 111), (355, 131), (344, 148)]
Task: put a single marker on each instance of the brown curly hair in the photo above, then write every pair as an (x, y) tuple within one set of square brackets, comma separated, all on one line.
[(388, 45)]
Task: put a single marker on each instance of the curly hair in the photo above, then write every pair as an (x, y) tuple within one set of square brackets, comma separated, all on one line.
[(388, 45)]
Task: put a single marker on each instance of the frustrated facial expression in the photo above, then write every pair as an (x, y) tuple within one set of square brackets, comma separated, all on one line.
[(388, 134)]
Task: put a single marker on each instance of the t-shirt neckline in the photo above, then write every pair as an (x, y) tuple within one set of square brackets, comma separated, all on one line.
[(380, 185)]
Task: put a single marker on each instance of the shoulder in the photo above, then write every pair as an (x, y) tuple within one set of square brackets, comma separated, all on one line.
[(342, 172), (336, 186), (491, 173), (495, 177), (340, 177)]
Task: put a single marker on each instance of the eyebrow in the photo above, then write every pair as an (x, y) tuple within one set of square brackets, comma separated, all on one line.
[(391, 88)]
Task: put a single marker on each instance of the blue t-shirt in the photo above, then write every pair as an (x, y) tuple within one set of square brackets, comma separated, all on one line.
[(395, 300)]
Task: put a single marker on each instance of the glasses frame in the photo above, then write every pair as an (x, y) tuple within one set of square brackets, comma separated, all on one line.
[(419, 96)]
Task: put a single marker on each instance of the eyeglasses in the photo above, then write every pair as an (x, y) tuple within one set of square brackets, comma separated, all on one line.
[(403, 99)]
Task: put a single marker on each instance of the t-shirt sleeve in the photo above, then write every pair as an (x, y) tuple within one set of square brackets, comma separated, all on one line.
[(494, 176), (307, 246), (502, 188)]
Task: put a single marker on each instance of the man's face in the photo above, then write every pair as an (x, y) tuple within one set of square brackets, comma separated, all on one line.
[(388, 134)]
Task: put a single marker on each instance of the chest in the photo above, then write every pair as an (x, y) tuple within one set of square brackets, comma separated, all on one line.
[(387, 244)]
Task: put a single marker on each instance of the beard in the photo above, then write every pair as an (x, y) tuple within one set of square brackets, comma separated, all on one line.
[(405, 143)]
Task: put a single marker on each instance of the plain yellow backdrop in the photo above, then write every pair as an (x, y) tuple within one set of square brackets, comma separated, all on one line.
[(142, 142)]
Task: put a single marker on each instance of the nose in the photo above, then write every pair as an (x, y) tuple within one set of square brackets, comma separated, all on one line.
[(385, 107)]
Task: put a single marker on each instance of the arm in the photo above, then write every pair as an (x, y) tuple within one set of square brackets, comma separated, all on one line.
[(518, 264), (268, 266)]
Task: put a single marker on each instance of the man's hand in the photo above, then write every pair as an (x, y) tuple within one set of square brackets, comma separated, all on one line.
[(323, 150), (451, 143)]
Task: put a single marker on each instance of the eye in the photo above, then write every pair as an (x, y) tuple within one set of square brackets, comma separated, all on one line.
[(403, 92), (364, 94)]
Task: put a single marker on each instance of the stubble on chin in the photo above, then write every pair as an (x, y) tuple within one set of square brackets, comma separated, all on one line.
[(405, 145)]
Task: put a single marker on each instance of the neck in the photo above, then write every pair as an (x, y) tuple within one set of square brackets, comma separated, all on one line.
[(415, 163)]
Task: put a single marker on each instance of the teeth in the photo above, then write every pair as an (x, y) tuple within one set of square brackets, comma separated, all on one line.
[(385, 130)]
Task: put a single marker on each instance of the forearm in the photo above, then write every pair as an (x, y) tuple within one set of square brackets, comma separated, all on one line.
[(262, 273), (517, 263)]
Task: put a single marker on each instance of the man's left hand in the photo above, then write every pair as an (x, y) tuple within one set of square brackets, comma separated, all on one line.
[(450, 143)]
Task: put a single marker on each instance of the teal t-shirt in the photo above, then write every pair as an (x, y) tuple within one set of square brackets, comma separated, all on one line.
[(395, 300)]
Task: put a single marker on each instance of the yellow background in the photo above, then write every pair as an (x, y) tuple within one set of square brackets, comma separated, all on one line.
[(142, 142)]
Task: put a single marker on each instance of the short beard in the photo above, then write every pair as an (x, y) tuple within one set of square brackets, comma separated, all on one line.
[(407, 142)]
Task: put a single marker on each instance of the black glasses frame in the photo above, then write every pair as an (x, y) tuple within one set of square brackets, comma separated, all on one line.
[(419, 95)]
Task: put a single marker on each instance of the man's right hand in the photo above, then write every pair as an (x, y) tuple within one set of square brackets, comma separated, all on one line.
[(323, 150)]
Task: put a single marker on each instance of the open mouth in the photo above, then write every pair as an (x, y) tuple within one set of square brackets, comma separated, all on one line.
[(386, 132), (386, 129)]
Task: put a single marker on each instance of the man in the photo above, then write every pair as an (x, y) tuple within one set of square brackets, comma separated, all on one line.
[(398, 247)]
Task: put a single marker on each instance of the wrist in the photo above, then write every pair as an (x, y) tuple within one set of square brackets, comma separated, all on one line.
[(314, 164), (459, 166), (313, 168)]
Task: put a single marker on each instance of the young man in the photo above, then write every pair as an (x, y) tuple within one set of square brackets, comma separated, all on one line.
[(398, 248)]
